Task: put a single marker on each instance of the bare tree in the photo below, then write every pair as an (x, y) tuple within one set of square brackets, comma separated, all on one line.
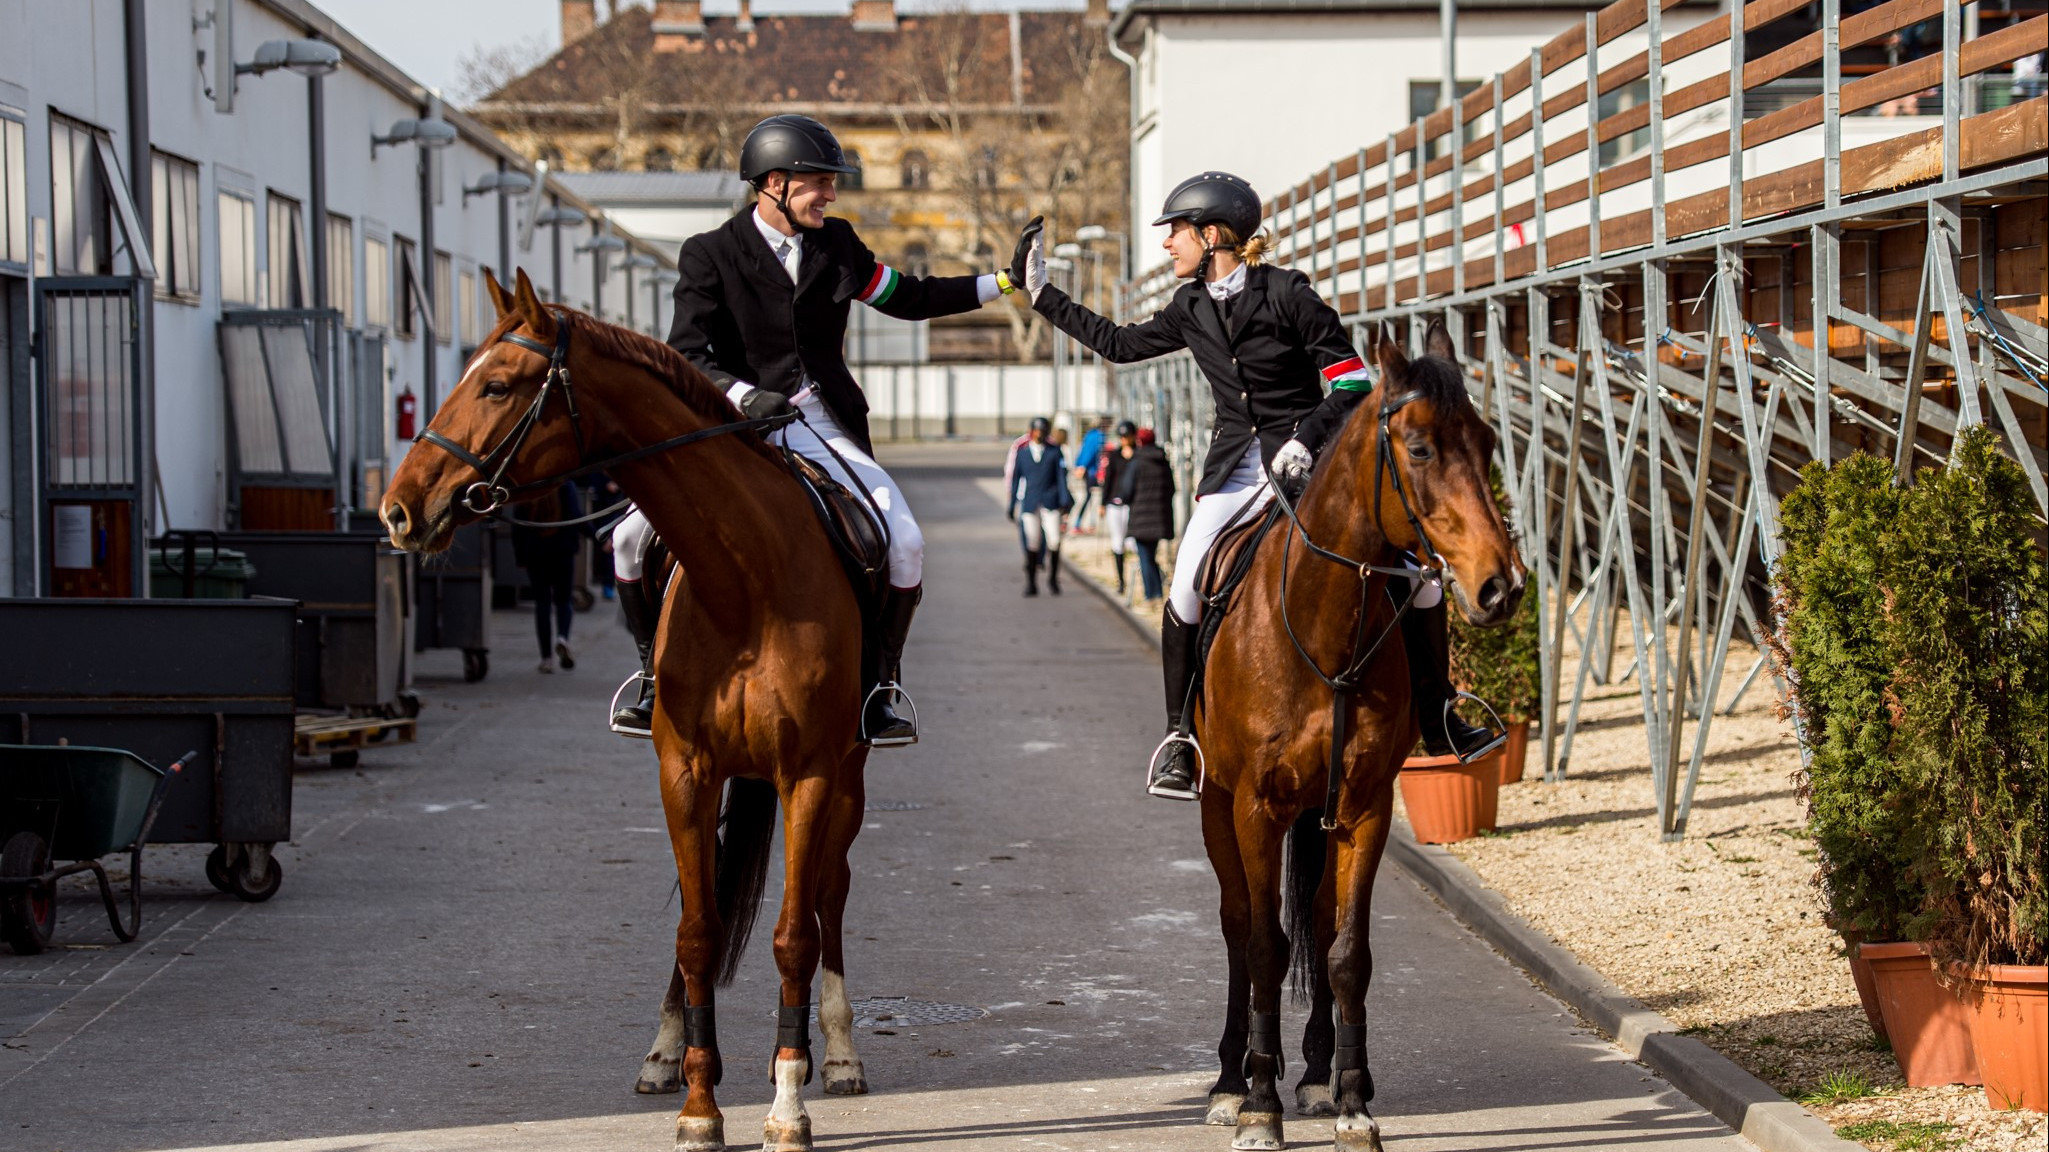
[(482, 71)]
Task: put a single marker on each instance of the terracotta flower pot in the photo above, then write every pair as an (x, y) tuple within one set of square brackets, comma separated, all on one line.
[(1449, 801), (1860, 975), (1929, 1028), (1515, 753), (2008, 1007)]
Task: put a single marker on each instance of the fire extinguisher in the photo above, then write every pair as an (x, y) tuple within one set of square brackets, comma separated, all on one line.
[(408, 410)]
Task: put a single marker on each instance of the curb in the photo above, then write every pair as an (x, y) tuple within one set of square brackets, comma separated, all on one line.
[(1715, 1082), (1147, 632)]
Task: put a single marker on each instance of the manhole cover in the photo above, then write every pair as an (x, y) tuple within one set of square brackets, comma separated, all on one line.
[(903, 1012), (894, 806)]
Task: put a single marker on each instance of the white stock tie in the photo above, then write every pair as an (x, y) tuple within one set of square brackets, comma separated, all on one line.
[(786, 254)]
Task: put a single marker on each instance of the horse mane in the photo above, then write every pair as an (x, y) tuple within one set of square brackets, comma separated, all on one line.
[(1440, 381), (685, 379)]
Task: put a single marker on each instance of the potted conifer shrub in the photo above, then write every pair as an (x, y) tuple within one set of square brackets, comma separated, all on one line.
[(1503, 667), (1910, 627)]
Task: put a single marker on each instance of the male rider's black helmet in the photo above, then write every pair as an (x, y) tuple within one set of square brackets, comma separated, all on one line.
[(1041, 424), (1214, 198), (790, 143)]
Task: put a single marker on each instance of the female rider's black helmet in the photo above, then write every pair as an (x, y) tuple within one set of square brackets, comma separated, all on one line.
[(1214, 198), (790, 143), (1126, 428)]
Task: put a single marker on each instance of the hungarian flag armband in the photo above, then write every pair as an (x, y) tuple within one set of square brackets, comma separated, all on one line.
[(1349, 375), (881, 286)]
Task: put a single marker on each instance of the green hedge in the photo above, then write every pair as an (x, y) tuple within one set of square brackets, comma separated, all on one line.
[(1913, 628), (1500, 665)]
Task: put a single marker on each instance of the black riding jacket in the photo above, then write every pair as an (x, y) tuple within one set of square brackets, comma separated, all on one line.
[(1266, 367), (739, 318)]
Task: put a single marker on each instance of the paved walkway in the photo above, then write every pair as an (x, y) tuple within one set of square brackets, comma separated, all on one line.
[(474, 932)]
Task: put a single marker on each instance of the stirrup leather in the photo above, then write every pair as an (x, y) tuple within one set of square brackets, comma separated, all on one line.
[(894, 694), (632, 684), (1201, 766)]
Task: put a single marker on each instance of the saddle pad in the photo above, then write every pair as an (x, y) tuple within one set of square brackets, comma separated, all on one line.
[(1230, 558)]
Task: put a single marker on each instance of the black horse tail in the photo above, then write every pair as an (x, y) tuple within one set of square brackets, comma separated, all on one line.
[(746, 831), (1308, 844)]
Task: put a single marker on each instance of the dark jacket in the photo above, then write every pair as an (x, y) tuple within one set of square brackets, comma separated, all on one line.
[(738, 316), (1266, 368), (1043, 481), (1118, 474), (533, 547), (1152, 496)]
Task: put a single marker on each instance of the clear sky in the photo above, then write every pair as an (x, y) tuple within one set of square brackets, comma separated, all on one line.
[(428, 37)]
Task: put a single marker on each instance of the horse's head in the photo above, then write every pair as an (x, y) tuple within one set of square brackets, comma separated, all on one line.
[(1439, 448), (511, 419)]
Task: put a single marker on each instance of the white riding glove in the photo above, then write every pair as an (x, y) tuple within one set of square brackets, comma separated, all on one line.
[(1292, 464)]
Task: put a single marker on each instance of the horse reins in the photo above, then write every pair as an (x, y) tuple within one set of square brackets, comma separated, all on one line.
[(1343, 683), (491, 493)]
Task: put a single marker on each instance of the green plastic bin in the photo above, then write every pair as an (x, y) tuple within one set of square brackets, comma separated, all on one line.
[(217, 573)]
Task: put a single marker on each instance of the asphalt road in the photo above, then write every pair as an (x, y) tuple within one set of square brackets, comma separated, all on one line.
[(475, 930)]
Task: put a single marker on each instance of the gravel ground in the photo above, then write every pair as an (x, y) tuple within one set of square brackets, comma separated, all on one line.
[(1721, 932)]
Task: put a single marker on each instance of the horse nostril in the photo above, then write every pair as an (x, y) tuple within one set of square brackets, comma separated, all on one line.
[(1493, 592), (395, 519)]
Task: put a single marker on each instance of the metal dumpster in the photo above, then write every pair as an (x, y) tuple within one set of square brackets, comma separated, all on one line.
[(452, 600), (159, 678), (352, 619)]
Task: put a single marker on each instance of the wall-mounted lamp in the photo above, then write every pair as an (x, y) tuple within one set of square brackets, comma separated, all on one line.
[(640, 260), (1070, 250), (561, 214), (425, 133), (503, 183), (604, 242), (306, 57)]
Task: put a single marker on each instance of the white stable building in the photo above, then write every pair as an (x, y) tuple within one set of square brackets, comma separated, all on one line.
[(236, 245)]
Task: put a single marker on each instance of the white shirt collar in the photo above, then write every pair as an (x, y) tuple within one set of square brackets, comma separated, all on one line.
[(775, 239), (1229, 286)]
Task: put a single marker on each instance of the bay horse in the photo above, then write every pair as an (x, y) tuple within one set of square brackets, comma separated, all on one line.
[(1408, 473), (758, 669)]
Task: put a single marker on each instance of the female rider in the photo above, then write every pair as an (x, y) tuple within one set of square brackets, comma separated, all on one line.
[(1268, 344)]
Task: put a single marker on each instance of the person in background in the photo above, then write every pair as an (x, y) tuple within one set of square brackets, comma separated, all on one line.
[(1088, 461), (1152, 510), (1118, 478), (1039, 501), (548, 556), (604, 492)]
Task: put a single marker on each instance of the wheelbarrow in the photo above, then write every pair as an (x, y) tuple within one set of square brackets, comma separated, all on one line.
[(75, 803)]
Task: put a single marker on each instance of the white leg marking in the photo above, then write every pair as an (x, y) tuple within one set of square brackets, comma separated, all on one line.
[(844, 1075), (663, 1069), (789, 1127), (1223, 1108)]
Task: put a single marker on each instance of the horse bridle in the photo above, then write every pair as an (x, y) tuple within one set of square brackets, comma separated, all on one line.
[(1346, 680), (491, 493)]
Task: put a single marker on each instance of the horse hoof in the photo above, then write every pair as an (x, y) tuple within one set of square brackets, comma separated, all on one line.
[(845, 1078), (1223, 1108), (1314, 1100), (1358, 1134), (1258, 1132), (786, 1135), (659, 1076), (700, 1134)]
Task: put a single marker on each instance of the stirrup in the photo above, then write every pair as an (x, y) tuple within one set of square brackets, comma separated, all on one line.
[(1499, 731), (1201, 767), (632, 683), (896, 693)]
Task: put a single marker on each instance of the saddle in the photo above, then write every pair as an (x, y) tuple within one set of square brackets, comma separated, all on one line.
[(1222, 573), (858, 540)]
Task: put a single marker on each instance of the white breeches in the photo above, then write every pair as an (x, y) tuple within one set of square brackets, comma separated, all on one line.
[(861, 473), (1116, 525), (1041, 529), (1247, 489)]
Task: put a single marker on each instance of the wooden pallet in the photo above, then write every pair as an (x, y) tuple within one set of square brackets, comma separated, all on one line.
[(340, 737)]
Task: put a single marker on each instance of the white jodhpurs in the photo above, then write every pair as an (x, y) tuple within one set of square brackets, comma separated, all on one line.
[(1041, 529), (1246, 489), (629, 544), (1116, 525), (811, 436)]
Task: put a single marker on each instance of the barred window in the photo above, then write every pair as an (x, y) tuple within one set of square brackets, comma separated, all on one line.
[(174, 238), (237, 248), (80, 217), (287, 242)]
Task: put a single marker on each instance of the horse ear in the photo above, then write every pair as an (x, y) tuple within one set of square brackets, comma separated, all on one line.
[(1437, 342), (532, 313), (500, 298), (1387, 352)]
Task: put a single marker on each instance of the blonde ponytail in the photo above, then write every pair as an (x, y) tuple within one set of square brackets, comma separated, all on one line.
[(1251, 251)]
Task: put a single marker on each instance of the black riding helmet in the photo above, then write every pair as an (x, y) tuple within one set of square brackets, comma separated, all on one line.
[(1126, 428), (1214, 198), (790, 143)]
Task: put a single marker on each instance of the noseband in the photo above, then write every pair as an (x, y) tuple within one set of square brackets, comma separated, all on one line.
[(492, 493)]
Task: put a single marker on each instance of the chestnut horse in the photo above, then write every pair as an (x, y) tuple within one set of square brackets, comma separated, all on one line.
[(758, 668), (1407, 474)]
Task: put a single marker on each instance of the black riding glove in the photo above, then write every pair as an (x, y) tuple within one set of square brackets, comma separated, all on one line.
[(1028, 262), (762, 404)]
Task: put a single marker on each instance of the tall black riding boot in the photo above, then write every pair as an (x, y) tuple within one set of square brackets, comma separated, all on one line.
[(1053, 572), (643, 615), (1425, 632), (884, 728), (1173, 767), (1031, 574), (1118, 559)]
